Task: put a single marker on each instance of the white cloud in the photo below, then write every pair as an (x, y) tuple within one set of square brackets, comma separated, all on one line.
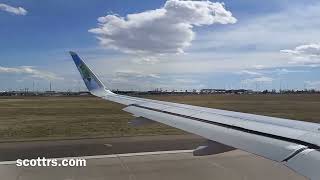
[(260, 76), (139, 80), (252, 44), (271, 31), (313, 84), (258, 39), (13, 10), (308, 49), (160, 31), (252, 73), (134, 74), (29, 71), (259, 66), (308, 54), (262, 79), (146, 60), (283, 71), (185, 81), (131, 80)]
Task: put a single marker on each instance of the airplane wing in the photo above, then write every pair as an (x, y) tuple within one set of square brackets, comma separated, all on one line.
[(295, 144)]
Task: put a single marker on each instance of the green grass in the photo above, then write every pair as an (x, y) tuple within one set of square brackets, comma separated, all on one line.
[(299, 107), (25, 118)]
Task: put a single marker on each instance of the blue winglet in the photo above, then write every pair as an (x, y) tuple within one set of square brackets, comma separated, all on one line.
[(89, 78)]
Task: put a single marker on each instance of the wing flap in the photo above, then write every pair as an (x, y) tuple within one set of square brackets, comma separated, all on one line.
[(210, 148), (306, 163), (307, 126), (252, 125), (270, 148), (296, 136)]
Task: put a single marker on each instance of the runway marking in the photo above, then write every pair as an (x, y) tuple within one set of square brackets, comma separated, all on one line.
[(108, 145), (112, 156)]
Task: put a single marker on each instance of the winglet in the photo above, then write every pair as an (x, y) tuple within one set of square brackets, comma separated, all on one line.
[(92, 82)]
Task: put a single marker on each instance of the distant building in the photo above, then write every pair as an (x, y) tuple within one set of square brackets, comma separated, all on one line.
[(224, 91), (212, 91), (158, 92)]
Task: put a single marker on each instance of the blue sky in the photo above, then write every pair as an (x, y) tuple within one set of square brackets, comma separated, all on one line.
[(265, 45)]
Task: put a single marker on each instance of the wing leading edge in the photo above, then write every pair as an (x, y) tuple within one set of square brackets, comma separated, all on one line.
[(295, 144)]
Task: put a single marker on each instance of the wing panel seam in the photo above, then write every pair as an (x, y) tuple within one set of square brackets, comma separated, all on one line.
[(296, 141), (295, 153)]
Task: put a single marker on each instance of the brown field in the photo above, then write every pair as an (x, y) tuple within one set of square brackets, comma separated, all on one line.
[(27, 118)]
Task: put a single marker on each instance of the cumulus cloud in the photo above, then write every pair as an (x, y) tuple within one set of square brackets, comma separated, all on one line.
[(29, 71), (13, 10), (308, 54), (249, 42), (160, 31), (308, 49)]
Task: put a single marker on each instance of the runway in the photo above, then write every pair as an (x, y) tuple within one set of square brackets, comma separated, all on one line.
[(176, 165), (12, 151), (137, 158)]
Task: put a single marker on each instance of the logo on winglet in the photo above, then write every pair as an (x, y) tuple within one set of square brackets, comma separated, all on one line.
[(85, 72)]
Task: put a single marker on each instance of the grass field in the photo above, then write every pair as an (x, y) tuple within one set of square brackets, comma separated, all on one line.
[(26, 118)]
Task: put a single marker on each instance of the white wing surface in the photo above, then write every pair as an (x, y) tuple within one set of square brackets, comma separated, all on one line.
[(295, 144)]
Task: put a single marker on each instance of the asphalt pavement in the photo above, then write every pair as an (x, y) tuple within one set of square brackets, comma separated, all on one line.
[(11, 151)]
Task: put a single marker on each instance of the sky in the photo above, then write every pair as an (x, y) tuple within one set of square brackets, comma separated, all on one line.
[(165, 44)]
